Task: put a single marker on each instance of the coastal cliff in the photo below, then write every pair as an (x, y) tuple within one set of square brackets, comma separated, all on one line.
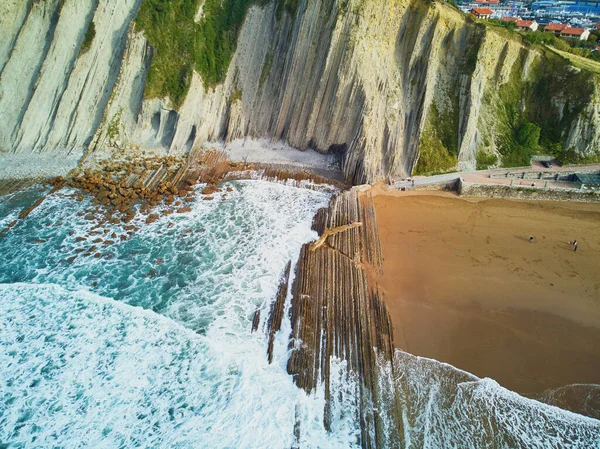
[(393, 87)]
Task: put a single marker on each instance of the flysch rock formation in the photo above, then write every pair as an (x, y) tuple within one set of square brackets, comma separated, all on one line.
[(52, 95), (363, 78), (336, 313)]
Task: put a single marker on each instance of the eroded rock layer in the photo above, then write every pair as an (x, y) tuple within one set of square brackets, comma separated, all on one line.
[(337, 314), (380, 82)]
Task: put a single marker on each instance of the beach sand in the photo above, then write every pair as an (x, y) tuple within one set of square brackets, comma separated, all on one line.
[(464, 285)]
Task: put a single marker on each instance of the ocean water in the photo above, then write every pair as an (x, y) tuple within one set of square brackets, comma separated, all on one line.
[(146, 342)]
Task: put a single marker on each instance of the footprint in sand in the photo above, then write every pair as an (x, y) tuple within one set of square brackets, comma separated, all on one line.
[(481, 263), (498, 256)]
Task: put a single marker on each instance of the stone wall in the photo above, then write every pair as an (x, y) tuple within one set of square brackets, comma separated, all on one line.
[(563, 175), (526, 192)]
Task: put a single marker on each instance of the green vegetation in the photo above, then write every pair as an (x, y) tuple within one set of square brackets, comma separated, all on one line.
[(453, 4), (266, 69), (554, 81), (503, 23), (485, 160), (571, 45), (434, 156), (525, 143), (170, 28), (90, 34), (579, 61), (439, 142), (446, 124), (470, 57), (236, 96), (181, 45), (438, 146), (289, 6), (529, 117), (519, 136), (113, 127), (572, 157), (217, 35), (574, 46), (519, 139)]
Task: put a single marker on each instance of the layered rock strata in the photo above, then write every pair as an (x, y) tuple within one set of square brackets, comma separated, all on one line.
[(277, 310), (379, 83), (337, 314)]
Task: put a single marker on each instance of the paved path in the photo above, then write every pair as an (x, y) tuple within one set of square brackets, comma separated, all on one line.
[(483, 176)]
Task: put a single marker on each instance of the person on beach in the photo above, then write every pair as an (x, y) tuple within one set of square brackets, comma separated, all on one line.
[(575, 244), (531, 239)]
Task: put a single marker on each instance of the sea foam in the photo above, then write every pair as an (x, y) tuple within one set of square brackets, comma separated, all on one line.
[(149, 343)]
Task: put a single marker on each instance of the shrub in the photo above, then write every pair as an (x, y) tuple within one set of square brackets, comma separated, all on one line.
[(571, 156), (90, 34), (529, 135), (485, 160), (517, 151), (435, 157), (181, 45), (503, 23)]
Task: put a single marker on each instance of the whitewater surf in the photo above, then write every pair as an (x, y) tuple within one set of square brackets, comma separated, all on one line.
[(113, 338)]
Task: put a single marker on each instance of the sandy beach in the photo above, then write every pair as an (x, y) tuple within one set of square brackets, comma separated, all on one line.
[(464, 285)]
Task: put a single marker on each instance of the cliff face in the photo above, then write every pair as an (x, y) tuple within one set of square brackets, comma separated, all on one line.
[(379, 82), (52, 95)]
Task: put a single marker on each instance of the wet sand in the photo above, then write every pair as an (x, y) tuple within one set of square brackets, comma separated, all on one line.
[(464, 285)]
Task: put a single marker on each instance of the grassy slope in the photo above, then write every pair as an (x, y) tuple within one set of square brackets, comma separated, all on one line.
[(578, 61), (181, 45)]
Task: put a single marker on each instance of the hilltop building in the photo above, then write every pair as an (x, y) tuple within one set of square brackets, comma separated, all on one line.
[(580, 33), (555, 28), (482, 13), (527, 25), (564, 30)]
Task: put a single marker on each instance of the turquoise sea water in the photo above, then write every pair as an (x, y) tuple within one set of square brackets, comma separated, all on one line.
[(149, 345)]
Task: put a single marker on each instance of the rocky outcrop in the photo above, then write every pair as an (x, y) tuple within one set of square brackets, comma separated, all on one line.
[(277, 309), (337, 314), (376, 82)]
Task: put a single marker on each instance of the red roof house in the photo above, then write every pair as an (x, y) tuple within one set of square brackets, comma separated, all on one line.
[(482, 13), (527, 25), (581, 33), (555, 27)]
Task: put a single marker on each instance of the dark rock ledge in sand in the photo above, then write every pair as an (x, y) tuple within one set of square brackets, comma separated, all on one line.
[(336, 312)]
